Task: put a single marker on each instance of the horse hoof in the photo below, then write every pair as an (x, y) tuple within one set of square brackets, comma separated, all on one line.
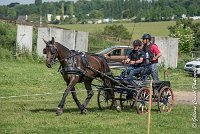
[(59, 111), (84, 111), (118, 108)]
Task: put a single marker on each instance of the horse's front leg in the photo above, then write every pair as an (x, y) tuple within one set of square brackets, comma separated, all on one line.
[(90, 93), (62, 102)]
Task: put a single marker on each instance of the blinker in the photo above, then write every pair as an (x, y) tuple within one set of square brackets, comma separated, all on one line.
[(44, 51), (53, 50)]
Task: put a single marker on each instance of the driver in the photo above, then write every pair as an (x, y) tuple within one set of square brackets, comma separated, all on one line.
[(136, 62)]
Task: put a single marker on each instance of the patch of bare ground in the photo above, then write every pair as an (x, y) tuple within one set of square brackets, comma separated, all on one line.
[(185, 97)]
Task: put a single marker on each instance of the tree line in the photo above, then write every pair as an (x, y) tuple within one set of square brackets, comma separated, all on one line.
[(138, 10)]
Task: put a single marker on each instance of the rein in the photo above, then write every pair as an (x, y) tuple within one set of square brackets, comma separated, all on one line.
[(65, 59)]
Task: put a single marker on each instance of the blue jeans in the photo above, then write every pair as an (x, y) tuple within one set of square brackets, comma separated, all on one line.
[(126, 71), (134, 72), (154, 71)]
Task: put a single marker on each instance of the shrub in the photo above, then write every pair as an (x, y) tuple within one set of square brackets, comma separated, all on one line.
[(5, 54), (117, 31), (96, 44), (7, 36), (185, 34)]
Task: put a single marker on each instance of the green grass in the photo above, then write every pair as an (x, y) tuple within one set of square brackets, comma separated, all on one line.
[(154, 28), (36, 114), (138, 29)]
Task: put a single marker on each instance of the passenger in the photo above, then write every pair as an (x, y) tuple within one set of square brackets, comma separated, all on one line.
[(136, 62), (152, 54)]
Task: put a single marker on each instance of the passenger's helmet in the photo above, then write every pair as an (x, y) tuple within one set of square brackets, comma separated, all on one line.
[(137, 43), (146, 36)]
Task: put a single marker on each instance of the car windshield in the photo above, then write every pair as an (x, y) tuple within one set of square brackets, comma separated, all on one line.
[(105, 51)]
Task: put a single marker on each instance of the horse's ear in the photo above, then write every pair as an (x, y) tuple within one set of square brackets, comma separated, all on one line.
[(44, 41), (53, 41)]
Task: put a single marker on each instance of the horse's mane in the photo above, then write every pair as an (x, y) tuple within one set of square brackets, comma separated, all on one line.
[(62, 47)]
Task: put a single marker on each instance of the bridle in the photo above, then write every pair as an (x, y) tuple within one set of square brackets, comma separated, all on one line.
[(54, 53)]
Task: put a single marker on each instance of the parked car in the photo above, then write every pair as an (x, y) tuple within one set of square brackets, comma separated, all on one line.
[(189, 67), (116, 53)]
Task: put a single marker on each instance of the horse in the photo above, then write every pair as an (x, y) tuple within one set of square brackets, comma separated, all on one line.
[(76, 68)]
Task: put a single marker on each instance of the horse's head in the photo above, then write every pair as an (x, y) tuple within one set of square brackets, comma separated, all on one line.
[(51, 52)]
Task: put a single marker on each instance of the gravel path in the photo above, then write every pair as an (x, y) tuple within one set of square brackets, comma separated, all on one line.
[(184, 97)]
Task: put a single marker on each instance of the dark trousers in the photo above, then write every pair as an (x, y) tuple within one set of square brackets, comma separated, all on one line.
[(132, 72)]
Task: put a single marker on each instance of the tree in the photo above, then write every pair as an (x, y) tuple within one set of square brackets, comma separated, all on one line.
[(179, 11), (11, 13), (70, 10), (167, 13), (62, 10), (196, 28), (192, 10), (183, 31), (95, 14), (38, 2)]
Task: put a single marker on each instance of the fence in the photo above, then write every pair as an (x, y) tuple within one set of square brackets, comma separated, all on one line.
[(169, 50), (24, 38), (71, 39)]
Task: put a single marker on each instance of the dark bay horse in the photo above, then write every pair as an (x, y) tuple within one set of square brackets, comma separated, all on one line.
[(75, 69)]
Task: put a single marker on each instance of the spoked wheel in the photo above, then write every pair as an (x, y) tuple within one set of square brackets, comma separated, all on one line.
[(127, 100), (104, 101), (165, 99), (142, 100)]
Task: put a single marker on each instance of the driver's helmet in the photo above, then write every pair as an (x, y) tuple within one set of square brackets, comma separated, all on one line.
[(137, 43)]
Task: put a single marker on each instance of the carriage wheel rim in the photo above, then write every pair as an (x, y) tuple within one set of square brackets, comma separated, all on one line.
[(142, 100), (103, 101), (166, 99)]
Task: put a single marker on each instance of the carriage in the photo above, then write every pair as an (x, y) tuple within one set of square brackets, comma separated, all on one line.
[(77, 67), (137, 95)]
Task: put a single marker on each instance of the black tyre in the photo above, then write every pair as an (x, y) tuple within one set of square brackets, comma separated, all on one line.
[(104, 101)]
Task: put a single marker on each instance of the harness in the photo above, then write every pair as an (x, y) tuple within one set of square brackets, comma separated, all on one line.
[(72, 67)]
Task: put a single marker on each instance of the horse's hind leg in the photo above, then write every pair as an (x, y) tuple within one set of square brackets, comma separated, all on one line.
[(76, 99), (107, 83), (90, 93)]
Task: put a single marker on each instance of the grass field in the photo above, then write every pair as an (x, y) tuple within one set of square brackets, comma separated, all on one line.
[(36, 114), (154, 28), (30, 112)]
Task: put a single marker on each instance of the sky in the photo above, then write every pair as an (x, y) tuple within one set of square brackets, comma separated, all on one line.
[(6, 2)]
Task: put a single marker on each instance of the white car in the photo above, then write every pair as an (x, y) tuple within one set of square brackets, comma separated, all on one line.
[(189, 67)]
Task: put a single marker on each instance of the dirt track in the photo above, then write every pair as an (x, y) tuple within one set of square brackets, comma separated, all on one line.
[(183, 97)]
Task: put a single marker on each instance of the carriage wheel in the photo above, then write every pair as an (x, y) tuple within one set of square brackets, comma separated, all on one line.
[(127, 101), (165, 99), (142, 100), (104, 102)]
